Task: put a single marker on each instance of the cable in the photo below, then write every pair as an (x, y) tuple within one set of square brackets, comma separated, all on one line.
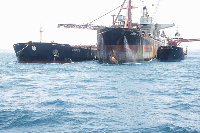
[(105, 14)]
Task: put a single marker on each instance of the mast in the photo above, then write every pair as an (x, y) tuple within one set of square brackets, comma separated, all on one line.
[(113, 21), (41, 34), (129, 15), (128, 21)]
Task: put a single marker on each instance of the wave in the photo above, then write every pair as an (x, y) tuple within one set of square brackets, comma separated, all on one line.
[(168, 128), (27, 118)]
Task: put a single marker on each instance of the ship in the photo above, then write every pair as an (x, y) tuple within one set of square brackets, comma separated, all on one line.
[(168, 53), (126, 41), (129, 42), (51, 52), (173, 51), (41, 52)]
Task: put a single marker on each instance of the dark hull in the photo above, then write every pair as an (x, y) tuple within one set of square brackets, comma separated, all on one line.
[(120, 45), (35, 52), (170, 53)]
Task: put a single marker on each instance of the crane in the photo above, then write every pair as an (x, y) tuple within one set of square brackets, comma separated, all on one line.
[(89, 25), (95, 27)]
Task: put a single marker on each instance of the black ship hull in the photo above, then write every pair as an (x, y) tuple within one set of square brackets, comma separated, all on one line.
[(121, 45), (36, 52), (170, 53)]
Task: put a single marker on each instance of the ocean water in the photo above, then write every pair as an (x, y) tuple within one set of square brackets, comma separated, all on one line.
[(139, 97)]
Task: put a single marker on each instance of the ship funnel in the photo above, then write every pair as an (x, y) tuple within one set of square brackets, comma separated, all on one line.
[(145, 13)]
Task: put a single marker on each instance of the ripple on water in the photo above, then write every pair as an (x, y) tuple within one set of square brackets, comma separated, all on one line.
[(91, 97)]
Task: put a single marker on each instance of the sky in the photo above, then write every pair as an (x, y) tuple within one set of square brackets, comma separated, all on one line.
[(21, 19)]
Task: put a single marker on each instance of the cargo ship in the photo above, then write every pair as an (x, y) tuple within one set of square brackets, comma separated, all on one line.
[(173, 50), (125, 41), (40, 52), (170, 53), (129, 42)]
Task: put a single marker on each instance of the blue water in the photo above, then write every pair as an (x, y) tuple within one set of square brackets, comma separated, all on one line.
[(85, 97)]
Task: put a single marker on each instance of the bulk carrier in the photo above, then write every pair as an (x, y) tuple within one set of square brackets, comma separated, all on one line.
[(129, 42), (173, 51), (42, 52), (126, 41)]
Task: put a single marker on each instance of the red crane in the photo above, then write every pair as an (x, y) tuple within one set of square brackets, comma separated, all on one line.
[(176, 41)]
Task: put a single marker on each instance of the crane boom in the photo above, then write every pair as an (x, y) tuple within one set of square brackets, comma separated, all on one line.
[(82, 26), (178, 41)]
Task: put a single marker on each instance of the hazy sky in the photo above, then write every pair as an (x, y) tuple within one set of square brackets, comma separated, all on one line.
[(21, 19)]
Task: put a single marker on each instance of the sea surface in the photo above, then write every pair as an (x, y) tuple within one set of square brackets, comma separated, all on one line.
[(138, 97)]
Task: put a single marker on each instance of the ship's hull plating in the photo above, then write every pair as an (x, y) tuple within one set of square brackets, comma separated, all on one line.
[(52, 53), (170, 53), (120, 45)]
